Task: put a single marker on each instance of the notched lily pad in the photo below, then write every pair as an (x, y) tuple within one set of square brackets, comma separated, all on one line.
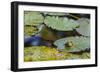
[(62, 24)]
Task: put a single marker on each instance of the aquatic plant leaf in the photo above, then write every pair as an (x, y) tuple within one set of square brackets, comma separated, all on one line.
[(33, 18), (73, 44), (84, 26), (63, 24)]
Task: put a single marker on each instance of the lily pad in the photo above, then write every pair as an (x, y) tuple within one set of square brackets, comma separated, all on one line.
[(73, 44), (62, 24), (33, 18), (84, 26)]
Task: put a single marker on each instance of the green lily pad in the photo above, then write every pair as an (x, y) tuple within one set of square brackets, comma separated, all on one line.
[(73, 44), (63, 24), (33, 18), (84, 26)]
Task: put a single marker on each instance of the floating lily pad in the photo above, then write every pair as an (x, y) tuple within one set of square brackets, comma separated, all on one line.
[(73, 44), (33, 18), (84, 26), (63, 24)]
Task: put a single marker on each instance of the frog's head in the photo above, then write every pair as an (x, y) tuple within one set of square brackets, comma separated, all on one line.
[(69, 44)]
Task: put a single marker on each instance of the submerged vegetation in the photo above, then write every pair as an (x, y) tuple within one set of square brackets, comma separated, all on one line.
[(43, 53), (56, 36)]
